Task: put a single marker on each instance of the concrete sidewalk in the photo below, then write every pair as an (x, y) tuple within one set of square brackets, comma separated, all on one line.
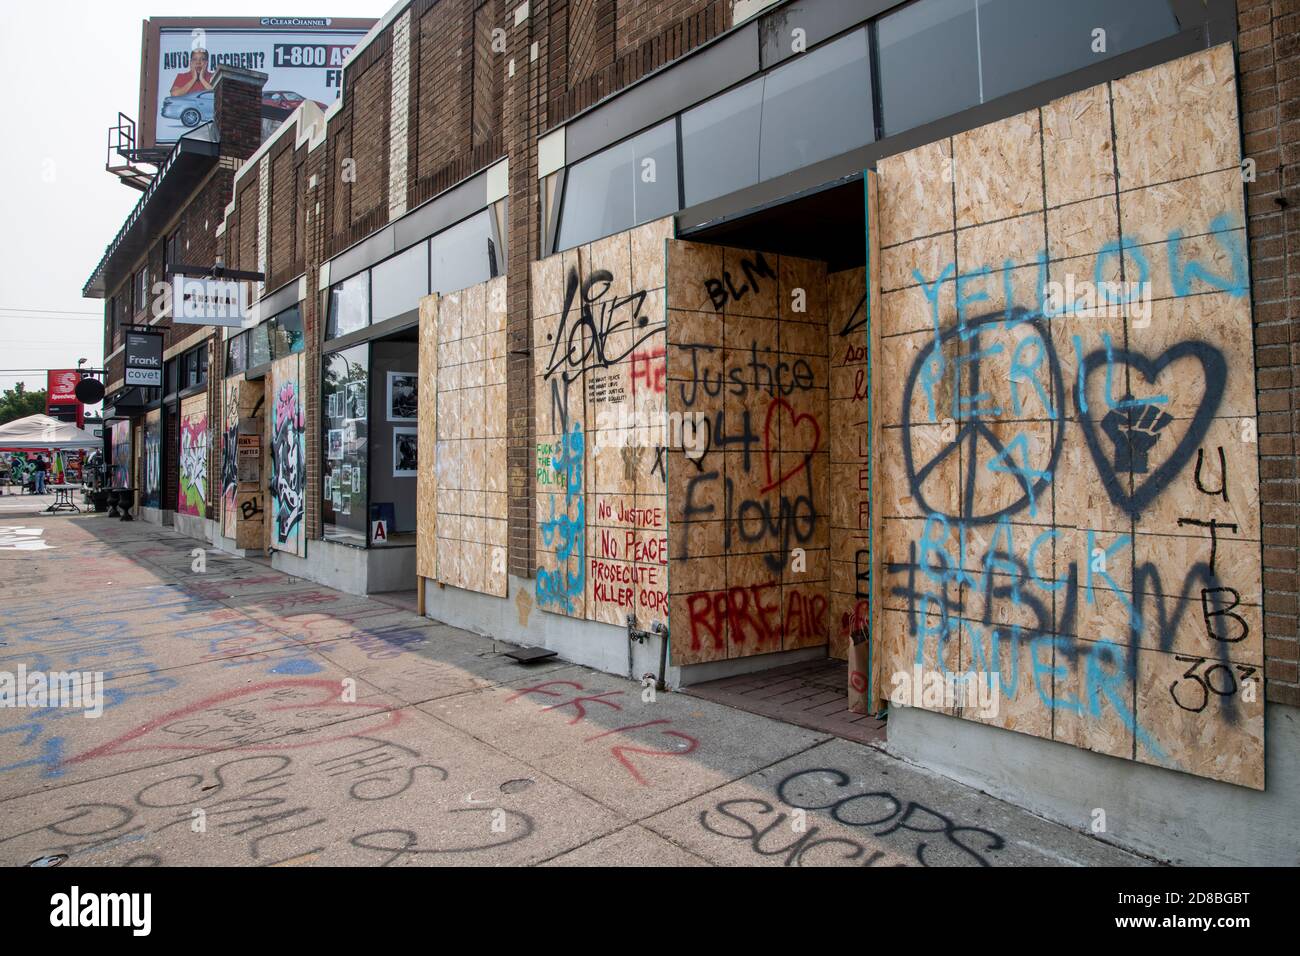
[(252, 718)]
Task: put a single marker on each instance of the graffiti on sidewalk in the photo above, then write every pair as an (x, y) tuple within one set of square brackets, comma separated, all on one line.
[(627, 750), (892, 826)]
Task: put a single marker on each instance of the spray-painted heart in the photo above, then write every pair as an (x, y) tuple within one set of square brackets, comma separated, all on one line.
[(769, 445), (1114, 477)]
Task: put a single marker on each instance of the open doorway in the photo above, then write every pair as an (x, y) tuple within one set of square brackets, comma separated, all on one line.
[(767, 312)]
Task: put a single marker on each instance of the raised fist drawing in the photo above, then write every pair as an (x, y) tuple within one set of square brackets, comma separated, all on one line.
[(1134, 430)]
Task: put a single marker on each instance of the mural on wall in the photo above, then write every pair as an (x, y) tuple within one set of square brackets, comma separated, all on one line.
[(230, 456), (1068, 467), (192, 498), (152, 460), (467, 404), (288, 456), (749, 506), (602, 429)]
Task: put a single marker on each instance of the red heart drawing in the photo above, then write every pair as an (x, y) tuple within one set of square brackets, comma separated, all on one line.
[(795, 419)]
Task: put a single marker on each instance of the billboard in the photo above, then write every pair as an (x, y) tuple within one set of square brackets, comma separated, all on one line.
[(302, 57), (61, 396)]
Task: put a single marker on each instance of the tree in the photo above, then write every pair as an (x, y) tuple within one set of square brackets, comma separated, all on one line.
[(17, 402)]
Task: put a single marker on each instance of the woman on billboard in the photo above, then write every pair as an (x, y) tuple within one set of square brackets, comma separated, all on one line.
[(197, 78)]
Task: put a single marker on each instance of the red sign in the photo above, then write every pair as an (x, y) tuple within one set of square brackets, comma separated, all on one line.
[(61, 394)]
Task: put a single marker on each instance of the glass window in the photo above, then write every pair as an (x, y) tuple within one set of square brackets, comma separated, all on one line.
[(237, 354), (288, 332), (929, 62), (397, 284), (621, 187), (1023, 42), (349, 307), (816, 106), (259, 345), (460, 254), (720, 143), (345, 416)]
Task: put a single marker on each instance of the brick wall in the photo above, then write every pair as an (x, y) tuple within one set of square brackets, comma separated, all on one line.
[(1269, 75)]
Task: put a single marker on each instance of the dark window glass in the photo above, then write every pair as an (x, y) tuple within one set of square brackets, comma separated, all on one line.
[(397, 284), (170, 375), (349, 307), (929, 62), (259, 345), (288, 332), (621, 187), (191, 371), (345, 403), (1023, 42), (816, 106), (720, 143), (237, 354), (460, 254)]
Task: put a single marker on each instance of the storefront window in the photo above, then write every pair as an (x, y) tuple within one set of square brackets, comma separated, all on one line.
[(259, 345), (621, 187), (720, 143), (349, 307), (345, 413), (237, 354), (399, 283), (816, 106), (929, 62), (1023, 42), (460, 254), (287, 332)]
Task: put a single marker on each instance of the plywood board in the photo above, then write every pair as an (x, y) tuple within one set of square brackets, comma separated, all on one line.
[(749, 499), (463, 343), (192, 466), (287, 416), (426, 520), (602, 429), (1068, 473)]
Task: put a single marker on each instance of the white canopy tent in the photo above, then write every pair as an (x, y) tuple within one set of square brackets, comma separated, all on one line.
[(42, 431)]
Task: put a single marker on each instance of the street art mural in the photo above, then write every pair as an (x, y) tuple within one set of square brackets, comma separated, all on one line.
[(288, 456), (750, 506), (602, 429), (192, 497), (151, 460), (1067, 469), (462, 487), (230, 456)]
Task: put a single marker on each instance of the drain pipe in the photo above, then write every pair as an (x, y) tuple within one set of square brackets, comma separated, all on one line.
[(640, 637)]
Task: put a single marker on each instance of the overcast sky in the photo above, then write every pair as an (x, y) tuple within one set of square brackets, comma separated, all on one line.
[(71, 66)]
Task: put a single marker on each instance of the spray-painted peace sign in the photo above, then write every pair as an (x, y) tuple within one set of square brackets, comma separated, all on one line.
[(973, 434)]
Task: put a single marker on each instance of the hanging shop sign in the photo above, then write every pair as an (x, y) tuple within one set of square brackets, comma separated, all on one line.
[(221, 302), (144, 359)]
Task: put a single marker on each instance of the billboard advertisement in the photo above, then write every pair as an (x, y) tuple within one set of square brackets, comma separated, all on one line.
[(301, 56), (61, 395)]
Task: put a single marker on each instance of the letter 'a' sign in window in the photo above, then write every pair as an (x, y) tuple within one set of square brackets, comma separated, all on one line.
[(144, 359)]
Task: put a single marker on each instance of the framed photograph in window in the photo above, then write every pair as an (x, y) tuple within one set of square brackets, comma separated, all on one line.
[(406, 448), (403, 396)]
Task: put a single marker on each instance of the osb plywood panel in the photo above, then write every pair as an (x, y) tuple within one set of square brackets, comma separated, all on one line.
[(464, 340), (748, 498), (1067, 472), (602, 429), (243, 507), (426, 485), (855, 435), (192, 466), (287, 421)]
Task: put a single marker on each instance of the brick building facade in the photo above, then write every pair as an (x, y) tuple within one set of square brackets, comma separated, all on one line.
[(448, 94)]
